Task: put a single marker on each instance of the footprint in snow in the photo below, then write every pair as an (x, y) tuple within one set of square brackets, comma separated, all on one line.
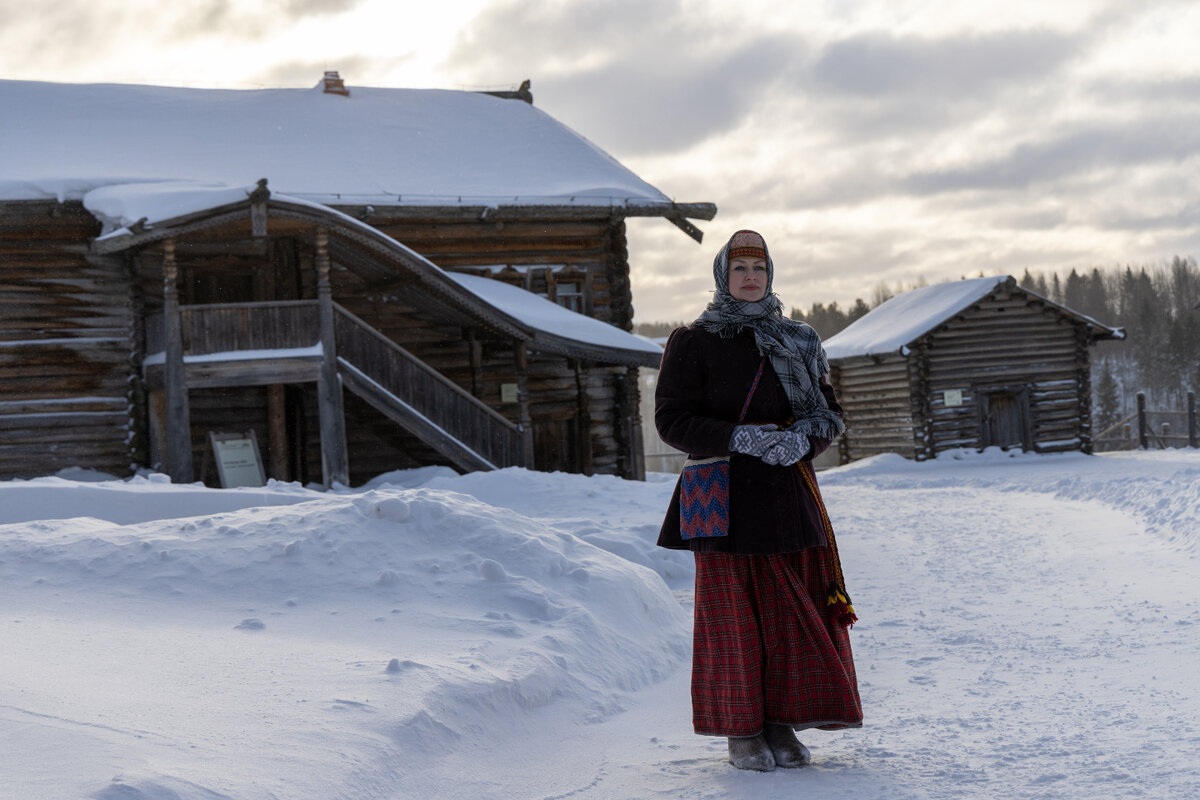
[(250, 624)]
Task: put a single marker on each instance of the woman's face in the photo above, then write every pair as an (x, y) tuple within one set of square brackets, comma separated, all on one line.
[(748, 279)]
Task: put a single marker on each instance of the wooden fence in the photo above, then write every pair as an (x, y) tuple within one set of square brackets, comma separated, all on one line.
[(1151, 429)]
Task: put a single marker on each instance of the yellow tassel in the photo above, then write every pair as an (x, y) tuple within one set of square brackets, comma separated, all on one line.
[(845, 614)]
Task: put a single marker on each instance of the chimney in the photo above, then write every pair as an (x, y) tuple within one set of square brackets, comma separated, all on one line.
[(332, 84)]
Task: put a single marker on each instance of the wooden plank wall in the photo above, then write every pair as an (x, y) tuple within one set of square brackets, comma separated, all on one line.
[(66, 343), (1011, 339), (594, 249), (876, 401)]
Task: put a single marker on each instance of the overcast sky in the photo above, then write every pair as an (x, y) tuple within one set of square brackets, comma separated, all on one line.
[(869, 141)]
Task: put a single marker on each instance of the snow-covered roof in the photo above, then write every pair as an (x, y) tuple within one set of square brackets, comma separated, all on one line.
[(155, 208), (552, 319), (376, 146), (900, 321), (119, 206)]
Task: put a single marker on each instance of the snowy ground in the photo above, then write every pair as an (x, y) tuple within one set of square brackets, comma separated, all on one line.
[(1029, 629)]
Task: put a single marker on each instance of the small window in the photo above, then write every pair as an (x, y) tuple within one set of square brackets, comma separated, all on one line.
[(569, 295)]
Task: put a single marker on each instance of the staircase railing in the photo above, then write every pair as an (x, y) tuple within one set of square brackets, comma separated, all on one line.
[(419, 398), (383, 373)]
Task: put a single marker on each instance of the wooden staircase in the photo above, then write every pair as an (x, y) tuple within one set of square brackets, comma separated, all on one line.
[(246, 344), (419, 399)]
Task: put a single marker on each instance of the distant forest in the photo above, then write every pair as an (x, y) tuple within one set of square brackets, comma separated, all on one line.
[(1156, 305)]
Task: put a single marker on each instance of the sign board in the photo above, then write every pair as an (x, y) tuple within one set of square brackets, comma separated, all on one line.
[(237, 458), (952, 397), (508, 393)]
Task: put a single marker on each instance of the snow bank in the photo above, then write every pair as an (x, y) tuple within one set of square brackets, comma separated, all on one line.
[(452, 616), (1027, 630), (1160, 488), (139, 499)]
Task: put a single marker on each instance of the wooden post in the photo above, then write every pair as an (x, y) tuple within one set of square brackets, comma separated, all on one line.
[(922, 412), (843, 441), (583, 419), (278, 457), (627, 404), (1143, 441), (177, 455), (1193, 434), (334, 461), (524, 419), (157, 408), (476, 354), (1084, 383)]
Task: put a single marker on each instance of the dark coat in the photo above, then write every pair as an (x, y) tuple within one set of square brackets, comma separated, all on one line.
[(702, 386)]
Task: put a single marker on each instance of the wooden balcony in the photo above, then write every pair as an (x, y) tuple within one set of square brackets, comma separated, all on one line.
[(256, 344)]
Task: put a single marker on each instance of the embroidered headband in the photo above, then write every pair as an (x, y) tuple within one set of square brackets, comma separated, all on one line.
[(747, 244)]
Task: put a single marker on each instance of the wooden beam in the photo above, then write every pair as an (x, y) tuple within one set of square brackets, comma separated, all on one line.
[(583, 419), (381, 214), (476, 356), (687, 227), (335, 464), (178, 451), (158, 428), (524, 419), (279, 458)]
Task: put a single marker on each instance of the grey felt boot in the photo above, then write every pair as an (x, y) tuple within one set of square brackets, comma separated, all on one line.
[(751, 752), (785, 747)]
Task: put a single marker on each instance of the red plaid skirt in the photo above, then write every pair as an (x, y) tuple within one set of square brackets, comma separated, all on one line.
[(765, 647)]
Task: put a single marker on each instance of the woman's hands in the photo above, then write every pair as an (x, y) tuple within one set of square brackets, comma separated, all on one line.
[(791, 447), (775, 447), (754, 440)]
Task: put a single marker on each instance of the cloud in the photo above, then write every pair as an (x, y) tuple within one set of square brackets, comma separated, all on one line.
[(260, 20), (49, 35), (640, 106), (563, 36), (636, 77), (894, 68), (1099, 146)]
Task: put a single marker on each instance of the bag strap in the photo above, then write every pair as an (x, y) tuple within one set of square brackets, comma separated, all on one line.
[(753, 386)]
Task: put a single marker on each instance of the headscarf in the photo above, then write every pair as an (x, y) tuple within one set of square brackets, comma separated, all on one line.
[(793, 348)]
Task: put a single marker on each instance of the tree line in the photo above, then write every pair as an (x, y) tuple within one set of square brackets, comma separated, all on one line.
[(1157, 308), (1156, 305)]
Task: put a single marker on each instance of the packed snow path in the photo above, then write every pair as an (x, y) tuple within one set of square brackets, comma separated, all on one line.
[(1029, 630)]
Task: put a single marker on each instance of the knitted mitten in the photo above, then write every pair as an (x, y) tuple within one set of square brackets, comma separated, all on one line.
[(751, 752), (790, 448), (785, 747), (754, 440)]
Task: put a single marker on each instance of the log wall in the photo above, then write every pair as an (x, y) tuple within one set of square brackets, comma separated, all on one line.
[(66, 343), (594, 248), (72, 329), (1010, 341), (876, 400)]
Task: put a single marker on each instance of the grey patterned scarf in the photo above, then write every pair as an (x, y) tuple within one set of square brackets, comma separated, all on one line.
[(793, 348)]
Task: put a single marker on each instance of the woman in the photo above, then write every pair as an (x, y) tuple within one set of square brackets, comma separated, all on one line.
[(771, 650)]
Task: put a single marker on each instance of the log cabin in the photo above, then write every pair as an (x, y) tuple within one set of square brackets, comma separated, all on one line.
[(366, 279), (969, 364)]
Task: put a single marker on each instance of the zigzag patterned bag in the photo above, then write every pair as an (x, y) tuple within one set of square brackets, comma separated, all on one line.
[(704, 488)]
